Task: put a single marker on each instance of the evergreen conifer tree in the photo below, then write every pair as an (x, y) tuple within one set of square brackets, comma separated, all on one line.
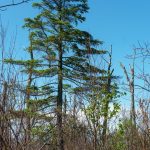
[(61, 50)]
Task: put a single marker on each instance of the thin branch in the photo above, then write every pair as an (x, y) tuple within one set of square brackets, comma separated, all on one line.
[(13, 4)]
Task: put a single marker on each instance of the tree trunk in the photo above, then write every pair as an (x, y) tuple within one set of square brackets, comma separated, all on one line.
[(131, 87), (60, 142), (4, 133), (28, 93), (133, 117), (105, 123), (108, 88)]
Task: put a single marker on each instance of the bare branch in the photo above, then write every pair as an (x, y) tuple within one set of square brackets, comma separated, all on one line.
[(125, 72), (3, 7)]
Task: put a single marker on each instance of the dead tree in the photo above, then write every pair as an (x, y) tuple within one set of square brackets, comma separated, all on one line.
[(131, 87)]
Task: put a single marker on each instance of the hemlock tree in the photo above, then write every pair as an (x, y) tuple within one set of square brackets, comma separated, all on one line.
[(28, 66), (62, 51), (36, 98), (63, 47)]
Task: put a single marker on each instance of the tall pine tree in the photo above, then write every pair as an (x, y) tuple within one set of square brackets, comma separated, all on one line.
[(61, 50)]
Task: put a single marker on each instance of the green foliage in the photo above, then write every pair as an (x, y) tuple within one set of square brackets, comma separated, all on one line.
[(60, 56), (54, 30), (115, 110), (43, 132), (120, 135), (26, 63)]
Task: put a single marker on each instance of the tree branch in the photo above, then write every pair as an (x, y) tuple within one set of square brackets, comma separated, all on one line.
[(13, 4)]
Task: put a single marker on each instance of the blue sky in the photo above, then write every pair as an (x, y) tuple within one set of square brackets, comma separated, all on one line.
[(121, 23), (118, 22)]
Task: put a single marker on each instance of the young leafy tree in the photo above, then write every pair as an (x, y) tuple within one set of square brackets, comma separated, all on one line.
[(110, 92), (100, 92)]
